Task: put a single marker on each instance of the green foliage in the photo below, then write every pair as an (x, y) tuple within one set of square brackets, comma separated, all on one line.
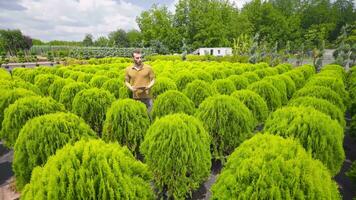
[(284, 67), (223, 86), (91, 105), (280, 85), (254, 102), (18, 83), (335, 69), (44, 81), (85, 77), (228, 121), (68, 93), (297, 77), (290, 85), (268, 92), (90, 169), (162, 84), (251, 76), (270, 167), (198, 90), (239, 81), (17, 114), (352, 172), (322, 93), (306, 70), (44, 135), (269, 71), (316, 131), (321, 105), (203, 75), (4, 74), (8, 97), (113, 86), (26, 74), (183, 78), (170, 102), (177, 150), (353, 126), (56, 87), (126, 122), (98, 81)]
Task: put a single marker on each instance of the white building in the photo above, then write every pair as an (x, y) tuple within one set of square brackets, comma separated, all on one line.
[(215, 51)]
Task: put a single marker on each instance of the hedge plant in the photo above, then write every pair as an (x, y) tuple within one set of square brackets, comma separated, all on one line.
[(198, 90), (85, 77), (268, 92), (251, 77), (170, 102), (228, 121), (40, 137), (316, 131), (270, 167), (239, 81), (280, 85), (113, 86), (177, 150), (90, 170), (98, 81), (321, 105), (162, 84), (223, 86), (290, 85), (254, 102), (283, 67), (69, 91), (44, 81), (17, 114), (56, 87), (91, 105), (126, 122), (183, 78), (297, 77), (203, 75)]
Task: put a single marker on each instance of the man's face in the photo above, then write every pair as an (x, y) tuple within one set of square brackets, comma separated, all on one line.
[(137, 58)]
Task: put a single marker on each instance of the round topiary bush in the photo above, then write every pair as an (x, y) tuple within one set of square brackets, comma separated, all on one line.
[(85, 77), (290, 85), (26, 74), (321, 105), (215, 73), (270, 167), (183, 78), (228, 121), (4, 74), (40, 137), (223, 86), (316, 131), (297, 77), (90, 170), (44, 81), (334, 69), (306, 70), (254, 102), (8, 97), (198, 90), (113, 86), (162, 84), (266, 72), (98, 81), (171, 102), (283, 67), (69, 91), (91, 105), (126, 122), (17, 114), (279, 84), (177, 150), (203, 75), (239, 81), (268, 92), (322, 93), (56, 87)]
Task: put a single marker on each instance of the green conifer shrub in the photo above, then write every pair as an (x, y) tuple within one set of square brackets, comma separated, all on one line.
[(26, 74), (126, 122), (4, 74), (321, 105), (297, 77), (228, 121), (183, 78), (98, 81), (306, 70), (223, 86), (353, 127), (254, 102), (352, 172), (283, 67), (334, 69), (56, 87), (266, 72), (322, 93), (113, 86), (290, 85), (91, 105), (316, 131), (90, 170), (203, 75), (251, 76), (268, 92), (85, 77), (270, 167), (239, 81), (280, 85), (44, 81), (69, 91), (177, 150), (40, 137), (170, 102), (162, 84), (198, 90), (23, 109)]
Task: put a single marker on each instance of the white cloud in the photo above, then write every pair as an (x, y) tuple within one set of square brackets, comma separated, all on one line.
[(239, 3), (70, 19)]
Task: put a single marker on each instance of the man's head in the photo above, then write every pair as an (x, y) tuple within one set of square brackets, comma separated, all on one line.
[(137, 57)]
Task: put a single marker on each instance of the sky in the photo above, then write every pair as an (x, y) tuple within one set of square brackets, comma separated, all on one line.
[(70, 20)]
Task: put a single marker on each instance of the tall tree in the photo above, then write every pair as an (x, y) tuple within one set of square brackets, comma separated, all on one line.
[(118, 38), (88, 40), (135, 38)]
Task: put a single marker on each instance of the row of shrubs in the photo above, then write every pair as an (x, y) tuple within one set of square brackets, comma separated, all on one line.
[(352, 91), (174, 170)]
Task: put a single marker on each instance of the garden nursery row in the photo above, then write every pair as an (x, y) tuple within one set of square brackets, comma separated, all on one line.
[(278, 131)]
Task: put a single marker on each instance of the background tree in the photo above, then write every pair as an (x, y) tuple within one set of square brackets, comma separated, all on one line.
[(88, 40)]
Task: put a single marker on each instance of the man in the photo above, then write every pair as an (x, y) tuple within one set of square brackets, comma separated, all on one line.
[(140, 78)]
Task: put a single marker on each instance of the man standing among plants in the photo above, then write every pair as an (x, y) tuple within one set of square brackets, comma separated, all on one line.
[(140, 78)]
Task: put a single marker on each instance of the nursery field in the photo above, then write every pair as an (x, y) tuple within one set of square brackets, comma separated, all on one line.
[(217, 130)]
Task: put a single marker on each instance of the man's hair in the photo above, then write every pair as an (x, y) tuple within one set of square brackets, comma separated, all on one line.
[(136, 51)]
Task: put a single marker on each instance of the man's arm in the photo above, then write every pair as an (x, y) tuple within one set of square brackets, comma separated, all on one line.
[(127, 82), (149, 86)]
